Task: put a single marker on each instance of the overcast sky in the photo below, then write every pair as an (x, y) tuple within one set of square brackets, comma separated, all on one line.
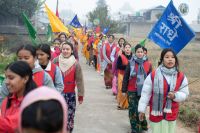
[(82, 7)]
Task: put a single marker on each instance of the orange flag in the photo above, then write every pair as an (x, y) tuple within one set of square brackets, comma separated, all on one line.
[(55, 22)]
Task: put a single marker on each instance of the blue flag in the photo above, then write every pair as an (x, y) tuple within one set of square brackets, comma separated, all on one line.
[(105, 30), (75, 22), (171, 31)]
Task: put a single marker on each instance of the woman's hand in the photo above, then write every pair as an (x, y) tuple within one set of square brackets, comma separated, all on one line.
[(171, 95), (120, 52), (141, 116)]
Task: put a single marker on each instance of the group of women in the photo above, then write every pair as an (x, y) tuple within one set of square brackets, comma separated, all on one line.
[(129, 74), (137, 85), (57, 69)]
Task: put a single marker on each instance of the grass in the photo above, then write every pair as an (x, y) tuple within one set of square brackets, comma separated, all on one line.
[(5, 60)]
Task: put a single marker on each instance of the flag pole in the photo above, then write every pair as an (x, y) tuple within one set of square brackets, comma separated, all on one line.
[(57, 14)]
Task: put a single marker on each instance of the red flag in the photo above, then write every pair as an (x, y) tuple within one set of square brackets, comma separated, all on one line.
[(57, 14)]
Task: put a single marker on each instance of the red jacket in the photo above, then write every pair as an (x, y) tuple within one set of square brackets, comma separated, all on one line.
[(52, 72), (117, 50), (56, 53), (69, 80), (9, 117), (109, 49), (175, 105), (124, 59), (132, 81), (38, 77)]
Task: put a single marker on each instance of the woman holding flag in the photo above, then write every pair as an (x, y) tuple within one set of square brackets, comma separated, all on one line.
[(163, 89)]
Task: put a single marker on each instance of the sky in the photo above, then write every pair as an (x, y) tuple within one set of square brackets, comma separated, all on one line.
[(82, 7)]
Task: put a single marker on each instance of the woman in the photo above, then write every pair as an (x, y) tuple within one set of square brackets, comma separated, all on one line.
[(55, 52), (163, 89), (72, 72), (85, 50), (19, 83), (107, 63), (73, 41), (135, 73), (114, 56), (52, 112), (63, 37), (122, 62), (99, 56), (27, 53), (44, 56)]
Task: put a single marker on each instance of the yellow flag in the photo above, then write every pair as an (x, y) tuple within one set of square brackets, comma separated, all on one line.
[(78, 32), (55, 22)]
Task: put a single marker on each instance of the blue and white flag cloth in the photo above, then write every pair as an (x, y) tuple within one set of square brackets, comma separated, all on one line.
[(75, 22), (171, 30), (105, 30)]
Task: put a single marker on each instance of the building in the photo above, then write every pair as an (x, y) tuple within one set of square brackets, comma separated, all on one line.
[(140, 23), (40, 20), (152, 15), (196, 29)]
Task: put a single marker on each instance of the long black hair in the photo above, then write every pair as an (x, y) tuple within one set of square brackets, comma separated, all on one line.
[(22, 69), (46, 116), (46, 49), (137, 47), (29, 48), (164, 51), (123, 40)]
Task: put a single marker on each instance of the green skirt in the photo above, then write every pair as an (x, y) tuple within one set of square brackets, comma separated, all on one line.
[(136, 124), (163, 126)]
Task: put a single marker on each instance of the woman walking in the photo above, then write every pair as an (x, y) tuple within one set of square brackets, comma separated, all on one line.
[(122, 62), (135, 73), (44, 56), (19, 82), (73, 76), (163, 90)]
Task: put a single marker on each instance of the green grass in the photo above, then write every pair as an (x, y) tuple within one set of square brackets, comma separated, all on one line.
[(189, 116), (4, 61)]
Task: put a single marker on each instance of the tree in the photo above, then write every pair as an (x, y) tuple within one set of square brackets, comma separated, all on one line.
[(14, 8), (101, 13)]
